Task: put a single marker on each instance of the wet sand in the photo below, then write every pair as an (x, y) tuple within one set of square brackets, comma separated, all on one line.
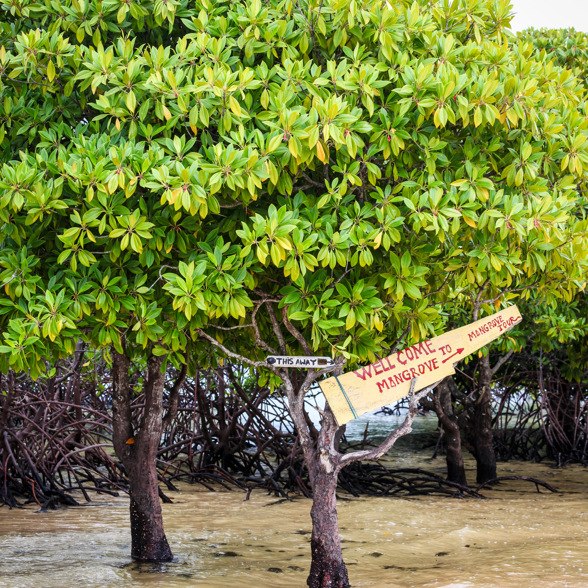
[(517, 539)]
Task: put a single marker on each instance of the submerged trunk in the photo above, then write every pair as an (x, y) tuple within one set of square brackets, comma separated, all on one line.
[(451, 434), (441, 401), (454, 457), (147, 535), (138, 453), (324, 462), (328, 569), (483, 440)]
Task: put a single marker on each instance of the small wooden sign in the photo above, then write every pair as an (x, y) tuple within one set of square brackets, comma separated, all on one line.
[(388, 380), (293, 361)]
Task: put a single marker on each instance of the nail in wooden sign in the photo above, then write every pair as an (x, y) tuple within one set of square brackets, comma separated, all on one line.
[(388, 380), (291, 361)]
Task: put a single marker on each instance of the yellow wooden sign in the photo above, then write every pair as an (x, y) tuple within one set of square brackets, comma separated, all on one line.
[(388, 380)]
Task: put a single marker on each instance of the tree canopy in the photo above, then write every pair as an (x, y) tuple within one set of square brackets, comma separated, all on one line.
[(174, 168), (567, 47)]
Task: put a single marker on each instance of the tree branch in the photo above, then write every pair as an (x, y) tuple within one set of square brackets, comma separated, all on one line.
[(403, 429), (172, 409), (276, 327), (240, 358), (501, 362), (258, 338), (508, 291), (15, 275), (476, 302), (27, 82), (446, 422), (160, 276), (295, 332)]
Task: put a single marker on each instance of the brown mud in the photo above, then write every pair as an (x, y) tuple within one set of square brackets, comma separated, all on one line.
[(518, 538)]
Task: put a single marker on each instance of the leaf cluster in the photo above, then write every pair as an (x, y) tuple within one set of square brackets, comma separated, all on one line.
[(368, 169)]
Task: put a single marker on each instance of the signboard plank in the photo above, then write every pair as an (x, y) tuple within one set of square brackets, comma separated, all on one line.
[(296, 361), (388, 380)]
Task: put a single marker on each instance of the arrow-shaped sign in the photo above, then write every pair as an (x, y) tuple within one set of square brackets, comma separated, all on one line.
[(297, 361), (388, 380), (458, 352)]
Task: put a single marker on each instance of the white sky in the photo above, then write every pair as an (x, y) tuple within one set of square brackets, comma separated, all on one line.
[(552, 14)]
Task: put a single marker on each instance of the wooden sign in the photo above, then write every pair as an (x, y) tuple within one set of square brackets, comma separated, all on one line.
[(388, 380), (291, 361)]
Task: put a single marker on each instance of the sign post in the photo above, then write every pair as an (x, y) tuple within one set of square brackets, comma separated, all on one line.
[(296, 361), (388, 380)]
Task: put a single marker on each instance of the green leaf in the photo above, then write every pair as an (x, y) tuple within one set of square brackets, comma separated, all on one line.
[(50, 71), (131, 101)]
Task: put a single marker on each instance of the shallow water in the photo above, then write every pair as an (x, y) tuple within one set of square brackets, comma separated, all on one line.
[(516, 539)]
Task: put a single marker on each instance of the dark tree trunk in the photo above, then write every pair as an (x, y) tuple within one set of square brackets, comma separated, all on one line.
[(77, 389), (451, 433), (454, 458), (483, 440), (137, 453), (147, 535), (328, 569)]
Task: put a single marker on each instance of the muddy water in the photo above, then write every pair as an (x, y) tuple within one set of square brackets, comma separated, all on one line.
[(516, 539)]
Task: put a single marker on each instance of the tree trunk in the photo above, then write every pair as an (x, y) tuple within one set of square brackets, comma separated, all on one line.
[(482, 426), (454, 457), (77, 388), (328, 569), (451, 434), (148, 538), (137, 453)]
